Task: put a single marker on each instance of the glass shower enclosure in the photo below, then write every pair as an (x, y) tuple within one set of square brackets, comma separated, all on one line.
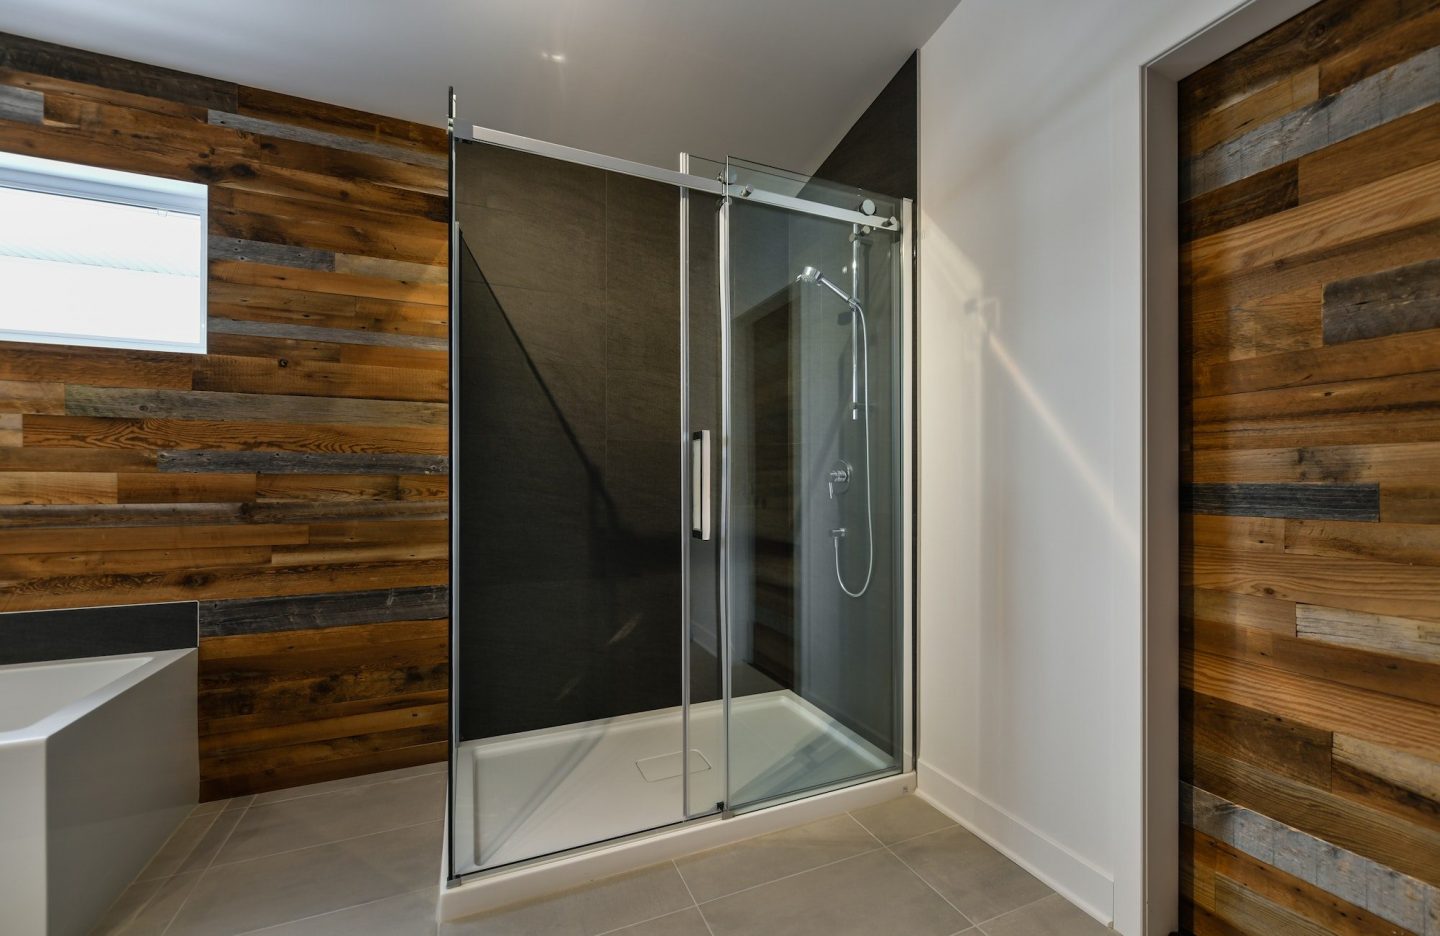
[(680, 494)]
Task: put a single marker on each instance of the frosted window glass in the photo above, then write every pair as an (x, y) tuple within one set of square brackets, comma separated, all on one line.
[(76, 270)]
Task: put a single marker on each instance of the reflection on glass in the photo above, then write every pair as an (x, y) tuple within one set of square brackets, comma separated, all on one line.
[(813, 553)]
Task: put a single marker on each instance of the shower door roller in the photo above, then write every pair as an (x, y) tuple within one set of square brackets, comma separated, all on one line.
[(700, 484)]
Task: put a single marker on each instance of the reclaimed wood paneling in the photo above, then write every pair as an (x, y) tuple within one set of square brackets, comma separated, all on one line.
[(293, 479), (1310, 303)]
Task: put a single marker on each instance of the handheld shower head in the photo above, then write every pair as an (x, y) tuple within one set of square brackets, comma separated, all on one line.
[(814, 276)]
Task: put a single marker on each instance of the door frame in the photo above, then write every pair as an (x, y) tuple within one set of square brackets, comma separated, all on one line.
[(1147, 900)]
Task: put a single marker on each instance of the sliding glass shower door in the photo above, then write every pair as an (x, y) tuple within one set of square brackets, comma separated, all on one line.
[(811, 360), (677, 559)]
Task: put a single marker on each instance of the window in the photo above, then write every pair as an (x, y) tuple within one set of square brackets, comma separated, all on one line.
[(102, 258)]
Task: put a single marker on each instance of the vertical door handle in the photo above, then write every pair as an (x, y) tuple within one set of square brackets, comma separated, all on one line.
[(700, 484)]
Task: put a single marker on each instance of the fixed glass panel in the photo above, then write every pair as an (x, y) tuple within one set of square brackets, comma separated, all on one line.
[(568, 638), (812, 589)]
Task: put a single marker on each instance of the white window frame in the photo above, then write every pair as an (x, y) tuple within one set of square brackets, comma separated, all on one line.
[(53, 177)]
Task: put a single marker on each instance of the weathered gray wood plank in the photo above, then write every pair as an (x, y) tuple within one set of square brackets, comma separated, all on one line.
[(199, 461), (256, 125), (1291, 501), (341, 609), (1385, 892), (21, 105), (305, 258), (128, 403), (45, 58), (1375, 633), (354, 336), (1401, 89), (1404, 299), (68, 516)]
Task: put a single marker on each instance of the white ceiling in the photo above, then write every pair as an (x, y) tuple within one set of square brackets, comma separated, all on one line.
[(778, 81)]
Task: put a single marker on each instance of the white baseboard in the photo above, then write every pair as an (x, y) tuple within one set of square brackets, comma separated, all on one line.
[(1079, 881)]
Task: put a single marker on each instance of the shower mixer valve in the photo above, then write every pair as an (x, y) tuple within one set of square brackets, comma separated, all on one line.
[(839, 481)]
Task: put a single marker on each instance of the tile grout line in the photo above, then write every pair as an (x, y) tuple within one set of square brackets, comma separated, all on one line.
[(979, 925), (316, 916), (209, 864), (214, 867), (786, 877), (936, 892), (676, 865), (290, 851), (162, 880), (203, 871)]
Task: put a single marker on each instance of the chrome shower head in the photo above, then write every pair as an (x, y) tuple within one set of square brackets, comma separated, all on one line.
[(813, 276)]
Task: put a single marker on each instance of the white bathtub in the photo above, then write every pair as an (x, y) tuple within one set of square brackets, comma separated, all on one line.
[(97, 767)]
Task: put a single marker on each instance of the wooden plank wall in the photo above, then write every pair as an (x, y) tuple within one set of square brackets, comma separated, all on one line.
[(1311, 376), (294, 479)]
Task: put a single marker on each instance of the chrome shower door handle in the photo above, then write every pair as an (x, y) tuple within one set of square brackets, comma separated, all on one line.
[(700, 484)]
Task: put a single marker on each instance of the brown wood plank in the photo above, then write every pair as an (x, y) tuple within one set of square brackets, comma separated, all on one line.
[(1200, 604), (1410, 503), (153, 488), (1399, 723), (335, 284), (1353, 584), (1398, 146), (153, 538), (57, 487), (1372, 669), (1259, 328), (335, 119), (320, 378), (77, 591), (1255, 737), (1392, 356), (1412, 544), (118, 436), (22, 396), (1399, 464), (1394, 203)]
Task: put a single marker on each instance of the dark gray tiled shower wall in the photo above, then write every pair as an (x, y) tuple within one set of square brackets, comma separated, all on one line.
[(570, 411)]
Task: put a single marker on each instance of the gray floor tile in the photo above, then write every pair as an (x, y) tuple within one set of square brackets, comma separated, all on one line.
[(330, 817), (204, 809), (119, 915), (147, 907), (1052, 916), (210, 843), (599, 908), (868, 894), (726, 870), (685, 923), (178, 847), (249, 895), (902, 818), (970, 874), (410, 914)]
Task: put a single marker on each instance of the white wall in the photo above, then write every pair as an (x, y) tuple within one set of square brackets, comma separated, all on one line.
[(1031, 601)]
